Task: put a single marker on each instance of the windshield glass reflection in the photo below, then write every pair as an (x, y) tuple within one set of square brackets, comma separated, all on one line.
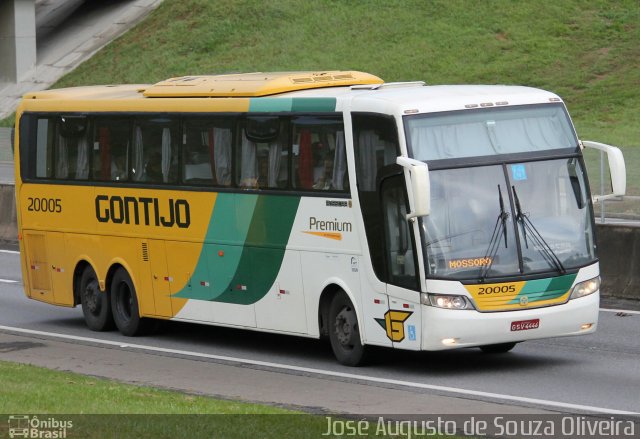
[(503, 220)]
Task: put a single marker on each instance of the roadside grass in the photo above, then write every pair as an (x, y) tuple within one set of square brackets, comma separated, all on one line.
[(99, 408), (38, 391), (31, 389)]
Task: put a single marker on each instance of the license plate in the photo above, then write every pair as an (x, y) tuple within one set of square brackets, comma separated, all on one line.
[(525, 325)]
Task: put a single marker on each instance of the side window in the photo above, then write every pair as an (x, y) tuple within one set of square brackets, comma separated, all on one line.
[(375, 140), (111, 147), (207, 146), (44, 148), (262, 154), (70, 153), (318, 155), (400, 249), (155, 150)]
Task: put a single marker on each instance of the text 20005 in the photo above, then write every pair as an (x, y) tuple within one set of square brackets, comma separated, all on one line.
[(53, 205), (497, 289)]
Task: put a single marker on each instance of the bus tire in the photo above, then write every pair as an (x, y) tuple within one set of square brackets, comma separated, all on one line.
[(501, 348), (124, 304), (344, 332), (95, 303)]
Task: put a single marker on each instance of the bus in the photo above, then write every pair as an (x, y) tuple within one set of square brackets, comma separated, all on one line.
[(320, 204)]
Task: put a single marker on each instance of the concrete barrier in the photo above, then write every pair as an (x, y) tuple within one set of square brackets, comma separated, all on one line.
[(8, 225), (618, 248), (619, 251)]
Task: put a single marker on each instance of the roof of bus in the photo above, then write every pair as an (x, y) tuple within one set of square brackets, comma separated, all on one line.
[(411, 97), (366, 93)]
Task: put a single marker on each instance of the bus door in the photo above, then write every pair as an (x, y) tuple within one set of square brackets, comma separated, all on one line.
[(403, 320)]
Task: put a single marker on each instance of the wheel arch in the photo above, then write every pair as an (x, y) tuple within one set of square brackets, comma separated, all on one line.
[(329, 291), (80, 266), (114, 265)]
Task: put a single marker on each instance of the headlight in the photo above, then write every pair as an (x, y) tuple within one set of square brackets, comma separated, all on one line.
[(446, 301), (585, 288)]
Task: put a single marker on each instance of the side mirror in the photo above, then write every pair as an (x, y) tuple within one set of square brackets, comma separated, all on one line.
[(420, 186), (617, 169)]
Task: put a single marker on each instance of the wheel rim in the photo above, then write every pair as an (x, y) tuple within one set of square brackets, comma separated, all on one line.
[(345, 327), (91, 297), (125, 300)]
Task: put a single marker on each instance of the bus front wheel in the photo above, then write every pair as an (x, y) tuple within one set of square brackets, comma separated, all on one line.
[(344, 332), (124, 304), (95, 303)]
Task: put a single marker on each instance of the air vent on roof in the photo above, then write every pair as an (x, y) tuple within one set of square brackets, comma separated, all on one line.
[(321, 78)]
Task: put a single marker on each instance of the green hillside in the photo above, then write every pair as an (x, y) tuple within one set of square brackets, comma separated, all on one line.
[(586, 51)]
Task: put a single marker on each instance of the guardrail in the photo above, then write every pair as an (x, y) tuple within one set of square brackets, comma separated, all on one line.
[(5, 145)]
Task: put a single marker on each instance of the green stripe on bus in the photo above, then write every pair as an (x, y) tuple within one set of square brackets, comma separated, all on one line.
[(270, 105), (314, 104), (244, 248), (304, 105), (227, 233), (264, 249), (546, 289)]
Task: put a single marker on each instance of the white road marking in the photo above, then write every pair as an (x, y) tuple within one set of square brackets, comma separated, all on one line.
[(12, 252), (625, 311), (8, 281), (307, 370)]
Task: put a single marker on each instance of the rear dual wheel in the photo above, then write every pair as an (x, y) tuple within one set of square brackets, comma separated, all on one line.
[(96, 306), (124, 303), (117, 307)]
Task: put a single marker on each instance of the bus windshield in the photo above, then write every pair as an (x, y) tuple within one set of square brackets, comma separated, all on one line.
[(489, 131), (508, 219)]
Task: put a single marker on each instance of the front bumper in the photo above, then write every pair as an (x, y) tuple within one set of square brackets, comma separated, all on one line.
[(449, 329)]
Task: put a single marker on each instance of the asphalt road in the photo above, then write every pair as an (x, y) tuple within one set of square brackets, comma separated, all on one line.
[(597, 373)]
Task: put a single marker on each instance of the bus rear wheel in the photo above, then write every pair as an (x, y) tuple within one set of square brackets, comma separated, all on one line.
[(124, 303), (501, 348), (95, 303), (344, 332)]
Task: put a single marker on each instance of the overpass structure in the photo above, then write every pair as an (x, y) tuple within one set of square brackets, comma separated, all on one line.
[(17, 40), (41, 40)]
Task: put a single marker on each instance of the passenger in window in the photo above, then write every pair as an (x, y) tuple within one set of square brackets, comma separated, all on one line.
[(263, 169), (325, 175), (198, 166), (118, 164), (153, 170)]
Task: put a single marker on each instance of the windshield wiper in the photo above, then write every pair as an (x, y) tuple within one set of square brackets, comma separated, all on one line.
[(538, 240), (498, 233)]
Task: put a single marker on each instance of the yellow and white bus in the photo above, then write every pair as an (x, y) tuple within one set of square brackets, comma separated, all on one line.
[(313, 204)]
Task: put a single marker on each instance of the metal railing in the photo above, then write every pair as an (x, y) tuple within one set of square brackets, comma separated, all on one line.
[(5, 145), (624, 209)]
